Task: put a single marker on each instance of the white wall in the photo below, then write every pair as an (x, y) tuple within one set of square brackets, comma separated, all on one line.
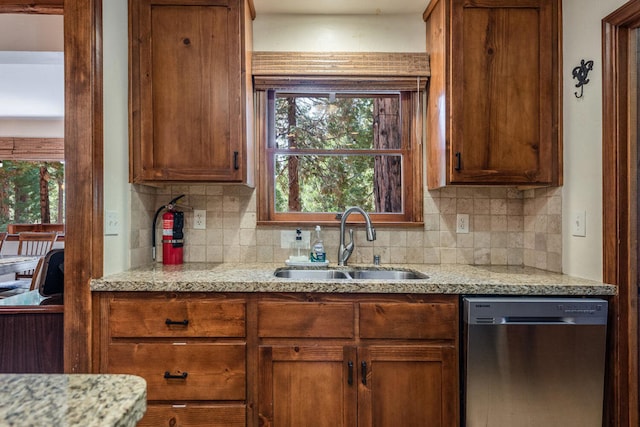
[(582, 38), (339, 33), (32, 128), (116, 155), (26, 32)]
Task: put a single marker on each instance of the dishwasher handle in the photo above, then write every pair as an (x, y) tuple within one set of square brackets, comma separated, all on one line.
[(536, 320)]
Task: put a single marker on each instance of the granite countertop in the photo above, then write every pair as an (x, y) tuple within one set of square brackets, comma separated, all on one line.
[(442, 279), (34, 400)]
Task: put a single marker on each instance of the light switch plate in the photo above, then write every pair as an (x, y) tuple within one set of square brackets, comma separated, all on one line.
[(579, 223), (111, 223), (199, 219)]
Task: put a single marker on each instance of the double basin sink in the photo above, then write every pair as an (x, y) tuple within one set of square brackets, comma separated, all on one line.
[(350, 274)]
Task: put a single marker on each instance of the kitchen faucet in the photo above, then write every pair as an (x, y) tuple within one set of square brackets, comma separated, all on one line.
[(345, 251)]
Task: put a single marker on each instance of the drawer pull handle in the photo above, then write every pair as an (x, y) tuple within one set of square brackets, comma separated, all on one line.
[(350, 375), (184, 322), (364, 373), (168, 376)]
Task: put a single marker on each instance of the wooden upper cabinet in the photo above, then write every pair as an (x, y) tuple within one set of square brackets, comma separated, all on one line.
[(494, 106), (189, 109)]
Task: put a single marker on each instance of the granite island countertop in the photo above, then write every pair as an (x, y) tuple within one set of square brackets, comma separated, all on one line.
[(442, 279), (34, 400)]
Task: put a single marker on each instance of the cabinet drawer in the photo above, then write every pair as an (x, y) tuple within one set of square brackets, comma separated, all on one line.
[(194, 416), (408, 321), (213, 371), (176, 318), (305, 319)]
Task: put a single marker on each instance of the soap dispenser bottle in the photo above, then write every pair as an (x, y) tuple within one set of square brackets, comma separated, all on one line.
[(297, 248), (317, 249)]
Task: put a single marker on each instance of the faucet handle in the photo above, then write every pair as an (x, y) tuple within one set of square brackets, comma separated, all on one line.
[(350, 245)]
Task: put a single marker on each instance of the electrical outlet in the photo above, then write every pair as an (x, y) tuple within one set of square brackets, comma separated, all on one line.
[(199, 219), (462, 223), (579, 223), (111, 223)]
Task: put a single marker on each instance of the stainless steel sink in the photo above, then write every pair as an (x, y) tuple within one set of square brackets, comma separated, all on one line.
[(358, 274), (387, 274), (311, 274)]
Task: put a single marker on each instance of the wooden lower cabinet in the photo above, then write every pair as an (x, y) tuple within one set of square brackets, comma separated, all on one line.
[(392, 386), (285, 360), (190, 348), (364, 361)]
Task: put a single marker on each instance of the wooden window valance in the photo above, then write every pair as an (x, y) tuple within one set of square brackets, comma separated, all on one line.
[(42, 149), (272, 70)]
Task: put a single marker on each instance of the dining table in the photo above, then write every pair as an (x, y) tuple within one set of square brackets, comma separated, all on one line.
[(15, 263)]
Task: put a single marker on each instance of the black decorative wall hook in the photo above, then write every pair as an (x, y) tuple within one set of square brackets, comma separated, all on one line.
[(581, 72)]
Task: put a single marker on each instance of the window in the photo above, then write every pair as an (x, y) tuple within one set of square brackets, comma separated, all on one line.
[(323, 150), (32, 192)]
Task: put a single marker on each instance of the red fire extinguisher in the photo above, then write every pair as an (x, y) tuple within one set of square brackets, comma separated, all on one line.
[(172, 233)]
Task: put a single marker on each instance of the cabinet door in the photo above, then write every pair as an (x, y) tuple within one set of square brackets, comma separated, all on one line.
[(504, 91), (407, 386), (312, 386), (189, 90)]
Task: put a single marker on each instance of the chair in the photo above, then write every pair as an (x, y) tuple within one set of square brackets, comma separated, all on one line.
[(34, 244), (3, 236), (49, 276)]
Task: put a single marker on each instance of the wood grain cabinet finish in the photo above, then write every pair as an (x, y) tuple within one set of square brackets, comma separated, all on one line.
[(190, 348), (188, 91), (285, 360), (399, 368), (494, 103)]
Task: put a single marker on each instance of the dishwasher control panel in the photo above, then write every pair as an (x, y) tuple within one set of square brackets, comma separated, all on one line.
[(510, 310)]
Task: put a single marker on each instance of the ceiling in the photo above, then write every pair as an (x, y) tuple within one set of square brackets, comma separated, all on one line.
[(31, 66), (340, 7)]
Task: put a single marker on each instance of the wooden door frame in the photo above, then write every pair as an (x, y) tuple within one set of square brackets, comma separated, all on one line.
[(620, 216), (83, 149)]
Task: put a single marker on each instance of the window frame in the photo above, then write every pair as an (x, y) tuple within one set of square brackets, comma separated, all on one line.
[(411, 151)]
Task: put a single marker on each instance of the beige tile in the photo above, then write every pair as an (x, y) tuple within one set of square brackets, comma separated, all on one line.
[(464, 206), (432, 255), (515, 257), (464, 256), (447, 255), (499, 256), (464, 240), (482, 239), (482, 206), (498, 206), (264, 254), (482, 256), (498, 223)]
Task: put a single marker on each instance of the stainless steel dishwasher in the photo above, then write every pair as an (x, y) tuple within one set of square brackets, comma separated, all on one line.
[(532, 362)]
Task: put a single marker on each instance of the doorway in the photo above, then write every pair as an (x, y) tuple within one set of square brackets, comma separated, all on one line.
[(83, 148), (620, 195)]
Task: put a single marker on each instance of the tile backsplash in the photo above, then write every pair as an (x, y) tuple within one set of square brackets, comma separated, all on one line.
[(507, 227)]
